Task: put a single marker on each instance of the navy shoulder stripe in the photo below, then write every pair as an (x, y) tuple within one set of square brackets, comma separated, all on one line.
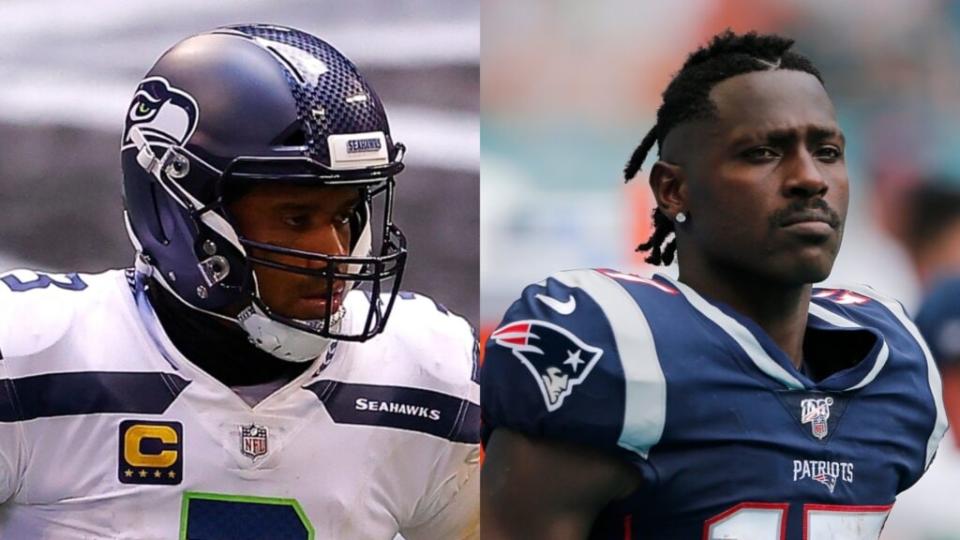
[(414, 409), (88, 392)]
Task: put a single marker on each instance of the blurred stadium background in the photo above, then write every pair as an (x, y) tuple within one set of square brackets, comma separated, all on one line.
[(70, 68), (570, 87)]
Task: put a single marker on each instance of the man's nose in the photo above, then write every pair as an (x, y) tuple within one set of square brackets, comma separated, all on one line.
[(328, 240), (805, 178)]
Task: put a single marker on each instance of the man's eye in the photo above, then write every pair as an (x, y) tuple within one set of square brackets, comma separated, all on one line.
[(829, 154), (296, 221), (761, 153)]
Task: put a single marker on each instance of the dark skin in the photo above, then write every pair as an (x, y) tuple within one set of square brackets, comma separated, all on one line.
[(538, 489), (764, 188), (301, 217)]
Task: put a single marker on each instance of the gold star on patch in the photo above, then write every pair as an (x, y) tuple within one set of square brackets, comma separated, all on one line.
[(128, 473), (172, 474), (143, 474), (156, 474)]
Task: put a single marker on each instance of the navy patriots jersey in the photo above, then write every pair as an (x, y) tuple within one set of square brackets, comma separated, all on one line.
[(731, 440)]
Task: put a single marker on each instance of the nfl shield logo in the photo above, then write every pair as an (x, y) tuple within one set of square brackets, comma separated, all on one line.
[(253, 441), (816, 412)]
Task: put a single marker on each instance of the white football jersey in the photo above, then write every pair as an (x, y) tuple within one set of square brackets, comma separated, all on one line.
[(107, 431)]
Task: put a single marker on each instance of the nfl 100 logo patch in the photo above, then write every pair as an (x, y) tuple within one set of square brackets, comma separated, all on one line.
[(253, 441), (816, 412)]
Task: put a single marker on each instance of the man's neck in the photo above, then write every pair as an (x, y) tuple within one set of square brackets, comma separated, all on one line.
[(780, 310)]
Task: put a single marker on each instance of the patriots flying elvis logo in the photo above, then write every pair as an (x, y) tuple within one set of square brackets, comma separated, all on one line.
[(557, 359)]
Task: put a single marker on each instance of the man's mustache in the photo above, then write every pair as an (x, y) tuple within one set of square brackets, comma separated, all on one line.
[(800, 211)]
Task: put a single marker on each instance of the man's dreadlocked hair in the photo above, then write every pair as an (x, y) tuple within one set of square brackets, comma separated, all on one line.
[(687, 97)]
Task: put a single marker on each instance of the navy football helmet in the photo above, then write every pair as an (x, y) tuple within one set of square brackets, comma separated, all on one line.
[(259, 104)]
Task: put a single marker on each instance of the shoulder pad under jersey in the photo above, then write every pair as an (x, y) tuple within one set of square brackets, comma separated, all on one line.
[(37, 309)]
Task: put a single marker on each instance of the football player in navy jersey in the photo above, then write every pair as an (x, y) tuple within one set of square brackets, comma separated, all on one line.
[(737, 401)]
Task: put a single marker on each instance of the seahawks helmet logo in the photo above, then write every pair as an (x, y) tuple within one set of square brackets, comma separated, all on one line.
[(165, 115)]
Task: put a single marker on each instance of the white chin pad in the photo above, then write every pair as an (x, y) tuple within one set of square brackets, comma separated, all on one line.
[(282, 341)]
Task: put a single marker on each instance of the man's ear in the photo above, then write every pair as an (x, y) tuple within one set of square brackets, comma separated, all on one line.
[(669, 188)]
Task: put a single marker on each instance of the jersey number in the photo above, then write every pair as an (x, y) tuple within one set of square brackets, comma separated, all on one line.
[(214, 516), (768, 521), (70, 282)]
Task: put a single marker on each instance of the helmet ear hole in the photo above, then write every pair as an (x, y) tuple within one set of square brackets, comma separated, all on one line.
[(160, 234)]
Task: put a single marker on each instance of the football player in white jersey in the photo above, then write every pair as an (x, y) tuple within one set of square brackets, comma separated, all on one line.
[(242, 382)]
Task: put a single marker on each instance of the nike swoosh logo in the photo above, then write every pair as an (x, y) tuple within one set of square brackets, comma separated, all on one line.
[(563, 308)]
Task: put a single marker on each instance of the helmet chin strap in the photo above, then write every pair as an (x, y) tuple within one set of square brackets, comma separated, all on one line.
[(273, 337), (282, 341), (279, 340)]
